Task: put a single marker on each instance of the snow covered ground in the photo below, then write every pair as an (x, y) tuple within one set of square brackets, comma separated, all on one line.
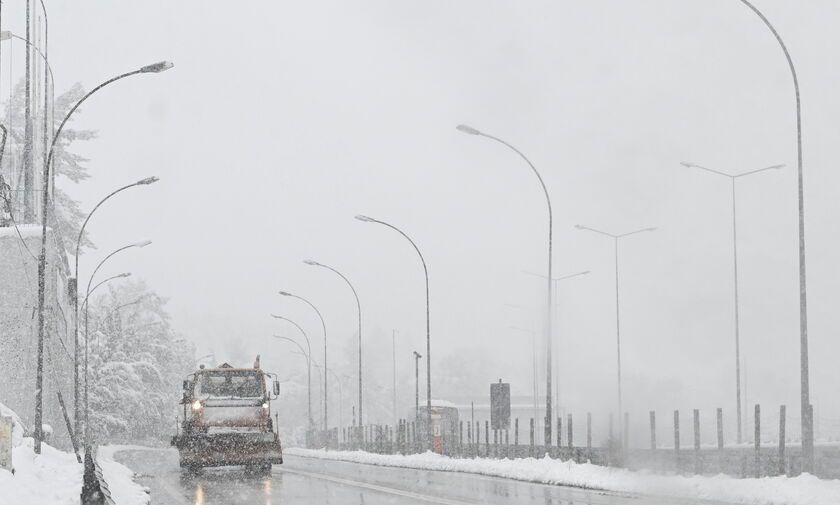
[(55, 477), (802, 490)]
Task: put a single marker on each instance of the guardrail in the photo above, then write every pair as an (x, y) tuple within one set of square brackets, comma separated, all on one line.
[(94, 488)]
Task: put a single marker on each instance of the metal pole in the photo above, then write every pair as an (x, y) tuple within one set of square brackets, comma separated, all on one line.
[(359, 311), (76, 406), (737, 317), (417, 357), (394, 358), (807, 420), (42, 259), (618, 346), (428, 326), (309, 356), (548, 334), (324, 327)]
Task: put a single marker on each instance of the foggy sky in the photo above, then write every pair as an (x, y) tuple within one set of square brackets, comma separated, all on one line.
[(281, 121)]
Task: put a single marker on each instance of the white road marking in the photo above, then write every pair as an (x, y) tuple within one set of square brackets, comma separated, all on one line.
[(381, 489)]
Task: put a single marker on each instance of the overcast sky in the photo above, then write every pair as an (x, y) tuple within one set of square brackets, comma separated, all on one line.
[(282, 120)]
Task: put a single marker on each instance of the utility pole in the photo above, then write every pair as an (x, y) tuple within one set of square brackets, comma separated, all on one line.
[(394, 357), (28, 173), (417, 357)]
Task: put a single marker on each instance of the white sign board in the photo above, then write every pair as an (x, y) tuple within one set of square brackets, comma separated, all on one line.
[(6, 425)]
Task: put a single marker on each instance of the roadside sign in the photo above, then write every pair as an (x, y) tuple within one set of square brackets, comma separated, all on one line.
[(6, 424), (500, 405)]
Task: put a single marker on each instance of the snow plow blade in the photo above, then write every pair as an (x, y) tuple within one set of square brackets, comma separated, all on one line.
[(228, 449)]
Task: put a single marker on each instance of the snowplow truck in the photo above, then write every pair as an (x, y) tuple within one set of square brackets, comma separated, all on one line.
[(227, 419)]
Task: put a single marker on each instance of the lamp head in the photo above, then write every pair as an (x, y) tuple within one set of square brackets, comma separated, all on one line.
[(580, 227), (650, 229), (142, 244), (364, 219), (467, 129), (5, 35), (687, 164), (585, 272), (126, 274), (157, 67), (275, 316), (776, 167), (284, 293), (313, 263), (148, 180)]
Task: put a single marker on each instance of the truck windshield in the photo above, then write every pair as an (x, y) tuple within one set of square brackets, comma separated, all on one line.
[(230, 385)]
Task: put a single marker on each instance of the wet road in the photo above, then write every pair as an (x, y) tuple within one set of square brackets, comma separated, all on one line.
[(309, 481)]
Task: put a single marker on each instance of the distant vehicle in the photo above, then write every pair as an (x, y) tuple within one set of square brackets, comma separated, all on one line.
[(227, 420), (445, 424)]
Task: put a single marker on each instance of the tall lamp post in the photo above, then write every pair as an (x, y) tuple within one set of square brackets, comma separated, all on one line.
[(142, 182), (308, 359), (417, 357), (87, 295), (359, 312), (366, 219), (324, 327), (805, 403), (732, 179), (308, 380), (555, 281), (42, 259), (548, 336), (617, 314)]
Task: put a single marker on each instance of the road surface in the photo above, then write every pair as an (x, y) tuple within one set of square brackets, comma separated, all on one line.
[(312, 481)]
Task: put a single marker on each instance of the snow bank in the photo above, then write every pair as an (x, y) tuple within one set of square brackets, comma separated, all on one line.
[(803, 490), (55, 477)]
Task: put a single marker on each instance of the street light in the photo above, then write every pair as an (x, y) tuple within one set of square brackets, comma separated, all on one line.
[(42, 259), (735, 276), (807, 415), (472, 131), (309, 354), (308, 383), (142, 182), (359, 311), (87, 294), (555, 280), (366, 219), (417, 357), (617, 314), (324, 326)]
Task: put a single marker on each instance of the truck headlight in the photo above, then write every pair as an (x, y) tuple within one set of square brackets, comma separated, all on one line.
[(196, 405), (265, 405)]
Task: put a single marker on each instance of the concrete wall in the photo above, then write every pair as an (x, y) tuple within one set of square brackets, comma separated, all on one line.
[(18, 328)]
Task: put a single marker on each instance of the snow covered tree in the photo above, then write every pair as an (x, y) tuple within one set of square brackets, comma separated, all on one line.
[(66, 217), (137, 363)]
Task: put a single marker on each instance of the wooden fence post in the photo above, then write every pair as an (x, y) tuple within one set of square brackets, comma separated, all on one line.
[(486, 438), (757, 422), (677, 437), (531, 448), (516, 432), (559, 432), (697, 465), (782, 440), (720, 428), (570, 436), (652, 430)]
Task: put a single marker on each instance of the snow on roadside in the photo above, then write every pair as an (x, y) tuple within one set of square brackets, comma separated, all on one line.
[(802, 490), (53, 477), (120, 481)]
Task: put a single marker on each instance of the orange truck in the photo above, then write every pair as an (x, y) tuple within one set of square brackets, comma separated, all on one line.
[(227, 419)]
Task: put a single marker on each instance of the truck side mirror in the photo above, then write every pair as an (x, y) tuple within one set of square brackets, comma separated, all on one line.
[(276, 387), (187, 385)]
